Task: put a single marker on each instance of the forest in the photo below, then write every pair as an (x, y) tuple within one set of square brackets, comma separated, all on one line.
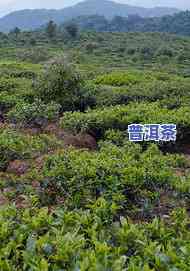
[(178, 23), (75, 193)]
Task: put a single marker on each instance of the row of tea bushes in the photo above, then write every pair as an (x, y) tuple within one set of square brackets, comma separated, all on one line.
[(172, 93), (132, 77), (118, 117), (13, 69), (34, 239), (37, 113), (122, 87), (121, 78), (15, 145), (119, 174), (13, 91)]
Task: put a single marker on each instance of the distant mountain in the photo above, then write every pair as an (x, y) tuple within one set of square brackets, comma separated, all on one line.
[(31, 19)]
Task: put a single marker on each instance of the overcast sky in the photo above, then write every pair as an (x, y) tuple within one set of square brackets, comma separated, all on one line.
[(11, 5)]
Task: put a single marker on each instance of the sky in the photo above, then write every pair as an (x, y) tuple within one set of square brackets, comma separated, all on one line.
[(7, 6)]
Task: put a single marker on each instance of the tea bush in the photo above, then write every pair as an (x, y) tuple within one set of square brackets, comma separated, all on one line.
[(82, 240), (172, 94), (62, 84), (133, 77), (36, 113), (8, 84), (15, 145), (121, 207), (171, 90), (119, 174), (33, 55), (120, 79), (19, 70), (16, 87), (119, 117)]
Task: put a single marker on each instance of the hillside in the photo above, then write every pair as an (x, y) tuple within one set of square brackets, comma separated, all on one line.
[(31, 19), (178, 23), (75, 192)]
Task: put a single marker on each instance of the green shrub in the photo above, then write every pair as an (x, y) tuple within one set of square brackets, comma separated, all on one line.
[(124, 176), (90, 47), (34, 55), (119, 78), (72, 29), (80, 176), (119, 117), (36, 113), (14, 90), (164, 51), (15, 145), (62, 84), (110, 209), (172, 91), (8, 84), (19, 70), (72, 240)]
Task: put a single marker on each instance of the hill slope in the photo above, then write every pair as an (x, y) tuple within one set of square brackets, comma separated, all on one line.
[(31, 19), (178, 23)]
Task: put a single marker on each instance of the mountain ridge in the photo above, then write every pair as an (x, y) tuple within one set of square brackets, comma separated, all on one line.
[(29, 19)]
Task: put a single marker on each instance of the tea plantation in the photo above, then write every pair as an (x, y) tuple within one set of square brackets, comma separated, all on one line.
[(75, 193)]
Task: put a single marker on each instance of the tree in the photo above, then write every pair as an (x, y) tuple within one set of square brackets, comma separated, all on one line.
[(118, 23), (32, 42), (62, 84), (16, 31), (91, 46), (72, 29), (51, 29)]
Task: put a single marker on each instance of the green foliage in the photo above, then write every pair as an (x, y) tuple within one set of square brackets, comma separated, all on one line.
[(36, 113), (51, 29), (8, 84), (120, 207), (14, 69), (176, 24), (90, 47), (119, 117), (14, 90), (16, 31), (72, 29), (33, 55), (124, 87), (81, 177), (120, 79), (79, 240), (14, 145), (62, 84)]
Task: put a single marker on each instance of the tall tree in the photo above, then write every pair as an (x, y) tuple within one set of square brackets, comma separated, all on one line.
[(16, 31), (72, 29), (51, 29)]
